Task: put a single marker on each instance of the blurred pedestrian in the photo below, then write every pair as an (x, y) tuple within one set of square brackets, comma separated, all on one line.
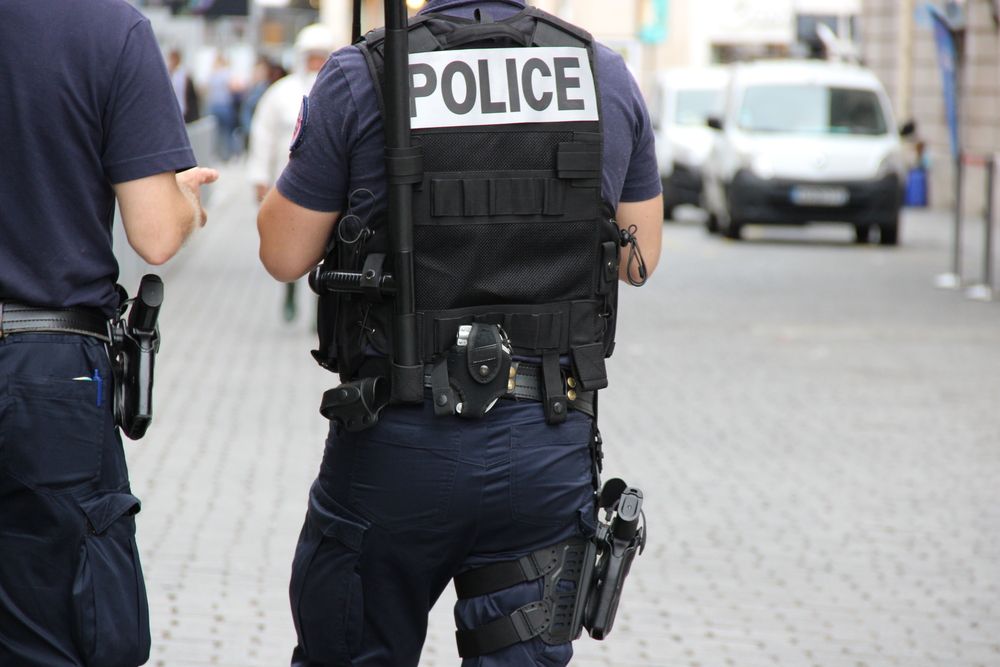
[(260, 80), (87, 117), (222, 105), (274, 121), (184, 88)]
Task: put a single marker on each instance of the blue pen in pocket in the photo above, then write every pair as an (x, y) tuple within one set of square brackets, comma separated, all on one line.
[(100, 386)]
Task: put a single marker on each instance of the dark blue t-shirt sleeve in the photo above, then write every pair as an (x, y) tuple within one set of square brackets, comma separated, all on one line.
[(329, 140), (642, 180), (144, 129)]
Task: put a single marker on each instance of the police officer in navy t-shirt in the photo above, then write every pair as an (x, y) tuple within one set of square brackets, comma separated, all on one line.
[(87, 117), (525, 161)]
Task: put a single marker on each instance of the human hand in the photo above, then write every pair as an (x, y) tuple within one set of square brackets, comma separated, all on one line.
[(261, 190), (190, 183)]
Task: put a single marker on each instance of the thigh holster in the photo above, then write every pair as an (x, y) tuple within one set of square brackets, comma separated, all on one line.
[(557, 618)]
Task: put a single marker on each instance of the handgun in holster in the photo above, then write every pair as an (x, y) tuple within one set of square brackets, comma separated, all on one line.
[(618, 541), (135, 340)]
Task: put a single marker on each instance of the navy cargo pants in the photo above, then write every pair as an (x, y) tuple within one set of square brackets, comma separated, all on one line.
[(400, 509), (71, 589)]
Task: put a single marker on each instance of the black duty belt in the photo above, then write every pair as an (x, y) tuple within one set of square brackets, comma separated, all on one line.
[(529, 385), (17, 318)]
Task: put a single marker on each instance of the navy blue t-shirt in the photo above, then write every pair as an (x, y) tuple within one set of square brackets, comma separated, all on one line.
[(85, 101), (340, 147)]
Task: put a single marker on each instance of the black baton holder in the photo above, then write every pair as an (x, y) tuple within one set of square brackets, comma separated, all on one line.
[(356, 405)]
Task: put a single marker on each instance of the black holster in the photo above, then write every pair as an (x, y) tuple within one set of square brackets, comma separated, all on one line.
[(134, 344), (356, 405)]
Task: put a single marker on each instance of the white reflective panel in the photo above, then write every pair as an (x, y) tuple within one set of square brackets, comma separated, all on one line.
[(501, 87)]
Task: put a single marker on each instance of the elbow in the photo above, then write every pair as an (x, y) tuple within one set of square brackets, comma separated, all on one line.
[(280, 268), (159, 249), (156, 258)]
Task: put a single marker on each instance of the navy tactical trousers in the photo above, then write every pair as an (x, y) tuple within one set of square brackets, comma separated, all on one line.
[(400, 509), (71, 589)]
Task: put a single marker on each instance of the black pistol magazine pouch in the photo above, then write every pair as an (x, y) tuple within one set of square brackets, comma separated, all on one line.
[(509, 224)]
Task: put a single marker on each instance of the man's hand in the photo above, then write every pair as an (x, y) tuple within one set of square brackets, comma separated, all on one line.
[(190, 183), (260, 190), (159, 211)]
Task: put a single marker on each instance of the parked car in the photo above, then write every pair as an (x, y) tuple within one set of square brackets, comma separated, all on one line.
[(805, 141), (684, 99)]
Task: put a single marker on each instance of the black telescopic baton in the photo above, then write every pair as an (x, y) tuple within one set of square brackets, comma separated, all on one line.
[(402, 166)]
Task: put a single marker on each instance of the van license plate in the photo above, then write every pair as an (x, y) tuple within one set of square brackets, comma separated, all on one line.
[(818, 195)]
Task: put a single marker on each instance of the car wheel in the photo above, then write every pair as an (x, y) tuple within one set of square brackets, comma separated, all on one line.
[(861, 233), (889, 233), (734, 230), (712, 224)]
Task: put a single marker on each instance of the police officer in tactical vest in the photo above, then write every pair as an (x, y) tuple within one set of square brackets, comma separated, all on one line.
[(87, 117), (534, 191)]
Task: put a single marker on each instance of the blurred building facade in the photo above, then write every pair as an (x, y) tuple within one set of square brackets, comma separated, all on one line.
[(897, 42), (654, 34)]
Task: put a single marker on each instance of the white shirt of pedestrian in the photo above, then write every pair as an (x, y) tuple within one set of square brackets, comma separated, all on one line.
[(501, 87)]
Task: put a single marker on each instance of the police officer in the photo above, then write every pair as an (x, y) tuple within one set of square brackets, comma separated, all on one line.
[(527, 154), (274, 120), (87, 116)]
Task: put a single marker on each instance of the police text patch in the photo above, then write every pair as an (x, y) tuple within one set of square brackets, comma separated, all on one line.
[(501, 87)]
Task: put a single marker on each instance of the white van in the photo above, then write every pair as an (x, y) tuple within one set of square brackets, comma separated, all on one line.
[(684, 99), (804, 141)]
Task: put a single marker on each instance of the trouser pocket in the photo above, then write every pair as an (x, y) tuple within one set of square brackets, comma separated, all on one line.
[(109, 596), (51, 431), (325, 590)]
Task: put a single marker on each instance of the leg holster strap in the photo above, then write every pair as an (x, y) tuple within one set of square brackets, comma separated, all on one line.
[(498, 576), (529, 621), (557, 618)]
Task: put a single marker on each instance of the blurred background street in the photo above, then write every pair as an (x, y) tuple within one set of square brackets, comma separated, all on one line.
[(815, 427)]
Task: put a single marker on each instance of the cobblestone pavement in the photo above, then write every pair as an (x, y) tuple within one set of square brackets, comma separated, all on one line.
[(817, 431)]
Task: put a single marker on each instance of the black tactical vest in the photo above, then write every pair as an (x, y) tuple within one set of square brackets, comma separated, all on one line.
[(509, 223)]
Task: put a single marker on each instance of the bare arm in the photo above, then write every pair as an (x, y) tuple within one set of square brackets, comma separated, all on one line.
[(160, 211), (292, 238), (647, 216)]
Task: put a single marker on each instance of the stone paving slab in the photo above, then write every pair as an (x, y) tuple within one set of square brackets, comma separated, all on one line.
[(816, 429)]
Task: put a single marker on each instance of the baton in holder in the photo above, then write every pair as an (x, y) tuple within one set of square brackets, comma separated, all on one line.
[(404, 169), (135, 342)]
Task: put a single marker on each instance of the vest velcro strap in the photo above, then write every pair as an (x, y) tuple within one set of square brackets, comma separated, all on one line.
[(528, 621), (578, 160), (404, 165)]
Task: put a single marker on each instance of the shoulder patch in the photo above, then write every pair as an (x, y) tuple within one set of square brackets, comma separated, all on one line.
[(301, 123)]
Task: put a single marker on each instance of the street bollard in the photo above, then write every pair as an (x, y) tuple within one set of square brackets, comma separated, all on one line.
[(983, 291), (953, 280)]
